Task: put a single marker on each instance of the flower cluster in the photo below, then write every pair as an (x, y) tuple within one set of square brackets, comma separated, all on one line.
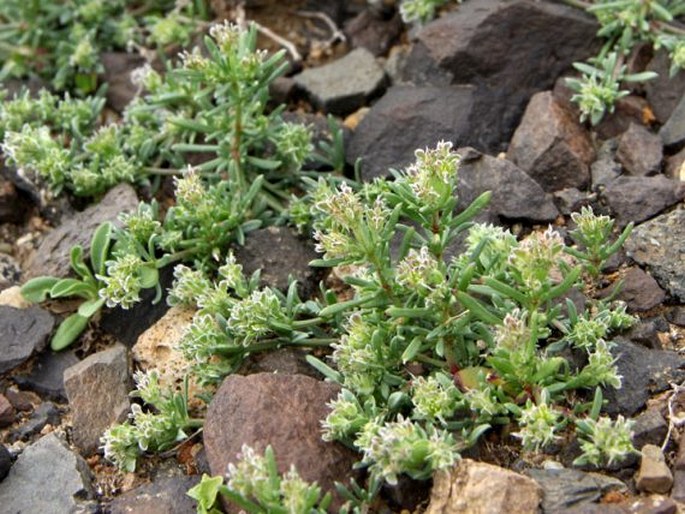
[(604, 441)]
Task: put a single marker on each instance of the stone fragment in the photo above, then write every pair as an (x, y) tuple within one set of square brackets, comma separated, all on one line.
[(515, 196), (645, 372), (551, 145), (52, 256), (676, 315), (653, 475), (47, 374), (163, 496), (467, 46), (12, 297), (675, 166), (565, 488), (284, 411), (480, 488), (46, 413), (650, 428), (6, 411), (13, 208), (373, 30), (637, 199), (639, 151), (47, 477), (22, 332), (407, 118), (570, 200), (673, 131), (627, 110), (603, 171), (117, 75), (23, 401), (344, 85), (664, 92), (678, 489), (639, 290), (280, 253), (5, 462), (103, 376), (659, 244)]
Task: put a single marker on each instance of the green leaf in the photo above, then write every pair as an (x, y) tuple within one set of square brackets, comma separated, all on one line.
[(477, 308), (205, 493), (89, 308), (70, 329), (78, 264), (324, 369), (149, 276), (264, 164), (36, 290), (99, 247), (72, 287), (411, 350)]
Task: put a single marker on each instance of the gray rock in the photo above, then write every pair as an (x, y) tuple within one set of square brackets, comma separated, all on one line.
[(118, 67), (279, 253), (478, 487), (22, 332), (639, 290), (46, 413), (650, 428), (603, 171), (673, 131), (162, 496), (515, 196), (645, 372), (653, 475), (407, 118), (675, 166), (105, 376), (344, 85), (48, 478), (551, 145), (677, 315), (659, 244), (466, 47), (372, 30), (664, 92), (570, 200), (284, 411), (678, 489), (52, 256), (639, 198), (7, 411), (639, 151), (564, 488), (5, 462), (47, 374)]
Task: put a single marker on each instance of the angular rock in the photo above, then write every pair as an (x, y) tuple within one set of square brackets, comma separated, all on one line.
[(551, 145), (639, 151), (47, 374), (664, 92), (118, 67), (103, 376), (6, 411), (639, 198), (47, 477), (515, 196), (627, 110), (344, 85), (52, 256), (163, 496), (603, 171), (5, 462), (639, 290), (644, 373), (23, 401), (372, 30), (467, 46), (565, 488), (284, 411), (650, 428), (479, 488), (653, 475), (659, 244), (22, 332), (407, 118), (570, 200), (673, 131), (45, 414), (279, 252)]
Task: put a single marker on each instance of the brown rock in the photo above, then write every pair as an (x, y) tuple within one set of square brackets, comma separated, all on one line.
[(551, 146), (97, 389), (639, 151), (369, 29), (6, 411), (675, 166), (678, 490), (639, 290), (653, 475), (664, 92), (284, 411), (13, 208), (163, 496), (478, 488), (23, 401), (639, 198), (627, 110)]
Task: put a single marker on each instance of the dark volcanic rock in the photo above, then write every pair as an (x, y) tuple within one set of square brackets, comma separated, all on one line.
[(284, 411), (515, 196), (5, 462), (551, 146), (664, 92), (22, 332), (640, 198), (13, 208), (52, 256), (47, 374), (46, 413), (631, 109), (673, 131), (644, 373), (371, 30), (650, 428), (659, 244), (639, 151), (163, 496), (468, 46), (118, 67), (6, 411), (407, 118), (639, 290)]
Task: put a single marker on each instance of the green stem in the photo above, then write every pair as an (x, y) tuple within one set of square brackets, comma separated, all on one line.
[(162, 171), (430, 360), (303, 323)]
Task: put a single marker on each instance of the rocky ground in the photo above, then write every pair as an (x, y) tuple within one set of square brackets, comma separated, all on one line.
[(487, 77)]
